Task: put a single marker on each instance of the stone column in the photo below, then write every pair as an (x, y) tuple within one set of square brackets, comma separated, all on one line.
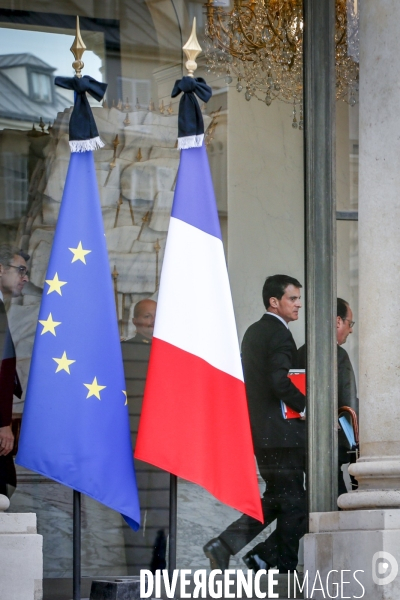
[(378, 469), (367, 535), (21, 555)]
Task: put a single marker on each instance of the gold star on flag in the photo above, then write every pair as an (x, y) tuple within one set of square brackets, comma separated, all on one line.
[(49, 325), (126, 397), (63, 363), (79, 253), (94, 388), (55, 285)]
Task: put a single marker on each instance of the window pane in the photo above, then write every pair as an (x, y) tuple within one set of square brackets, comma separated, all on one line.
[(41, 87), (256, 159), (257, 163), (347, 143), (136, 178)]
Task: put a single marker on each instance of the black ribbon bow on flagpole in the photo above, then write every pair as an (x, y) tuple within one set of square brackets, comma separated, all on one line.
[(190, 119), (83, 134)]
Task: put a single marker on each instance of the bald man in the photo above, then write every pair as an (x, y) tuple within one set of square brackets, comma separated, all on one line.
[(144, 315)]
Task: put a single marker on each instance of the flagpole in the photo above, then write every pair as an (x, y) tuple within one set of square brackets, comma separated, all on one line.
[(76, 546), (192, 49), (78, 48)]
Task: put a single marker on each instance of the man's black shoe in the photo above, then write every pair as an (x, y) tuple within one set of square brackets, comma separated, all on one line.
[(254, 562), (218, 554)]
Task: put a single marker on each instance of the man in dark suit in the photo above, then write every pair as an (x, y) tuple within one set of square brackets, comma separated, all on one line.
[(13, 276), (268, 352), (347, 389)]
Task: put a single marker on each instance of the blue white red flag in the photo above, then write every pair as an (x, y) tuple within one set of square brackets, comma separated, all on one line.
[(194, 420), (75, 426)]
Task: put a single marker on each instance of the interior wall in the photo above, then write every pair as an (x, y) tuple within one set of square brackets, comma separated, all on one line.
[(266, 207), (265, 203)]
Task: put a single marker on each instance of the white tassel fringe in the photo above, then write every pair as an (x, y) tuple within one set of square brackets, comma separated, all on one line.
[(86, 145), (190, 141)]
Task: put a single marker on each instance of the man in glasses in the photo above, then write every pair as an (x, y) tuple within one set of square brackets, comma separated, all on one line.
[(13, 276), (347, 389)]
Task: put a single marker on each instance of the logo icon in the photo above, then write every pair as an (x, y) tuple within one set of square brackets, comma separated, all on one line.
[(384, 568)]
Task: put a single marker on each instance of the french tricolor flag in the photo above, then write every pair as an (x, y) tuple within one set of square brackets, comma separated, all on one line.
[(194, 420)]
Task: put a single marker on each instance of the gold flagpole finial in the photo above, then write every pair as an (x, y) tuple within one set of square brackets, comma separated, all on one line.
[(77, 49), (192, 49)]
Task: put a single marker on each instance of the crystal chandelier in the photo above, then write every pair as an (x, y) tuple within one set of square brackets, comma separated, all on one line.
[(260, 43)]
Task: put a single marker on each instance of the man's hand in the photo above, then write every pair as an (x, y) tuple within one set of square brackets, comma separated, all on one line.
[(6, 440)]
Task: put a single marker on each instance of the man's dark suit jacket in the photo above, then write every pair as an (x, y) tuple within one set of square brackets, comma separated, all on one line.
[(9, 385), (268, 352), (347, 391)]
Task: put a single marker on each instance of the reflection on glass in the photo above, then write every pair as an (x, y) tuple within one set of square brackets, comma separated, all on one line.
[(136, 173), (153, 484), (41, 87), (258, 176), (13, 277), (347, 144), (14, 178), (347, 131), (135, 47)]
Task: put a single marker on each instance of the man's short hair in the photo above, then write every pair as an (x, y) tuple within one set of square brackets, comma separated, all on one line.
[(7, 253), (275, 286), (342, 308)]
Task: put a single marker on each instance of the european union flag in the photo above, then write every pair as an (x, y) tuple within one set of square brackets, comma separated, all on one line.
[(75, 427)]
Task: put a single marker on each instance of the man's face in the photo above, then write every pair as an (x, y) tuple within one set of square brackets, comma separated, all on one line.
[(144, 321), (12, 280), (288, 306), (343, 328)]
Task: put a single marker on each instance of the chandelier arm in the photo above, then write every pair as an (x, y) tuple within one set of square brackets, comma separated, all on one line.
[(294, 54), (223, 45), (340, 41), (274, 30), (342, 28), (229, 49), (254, 45), (221, 23), (280, 36)]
